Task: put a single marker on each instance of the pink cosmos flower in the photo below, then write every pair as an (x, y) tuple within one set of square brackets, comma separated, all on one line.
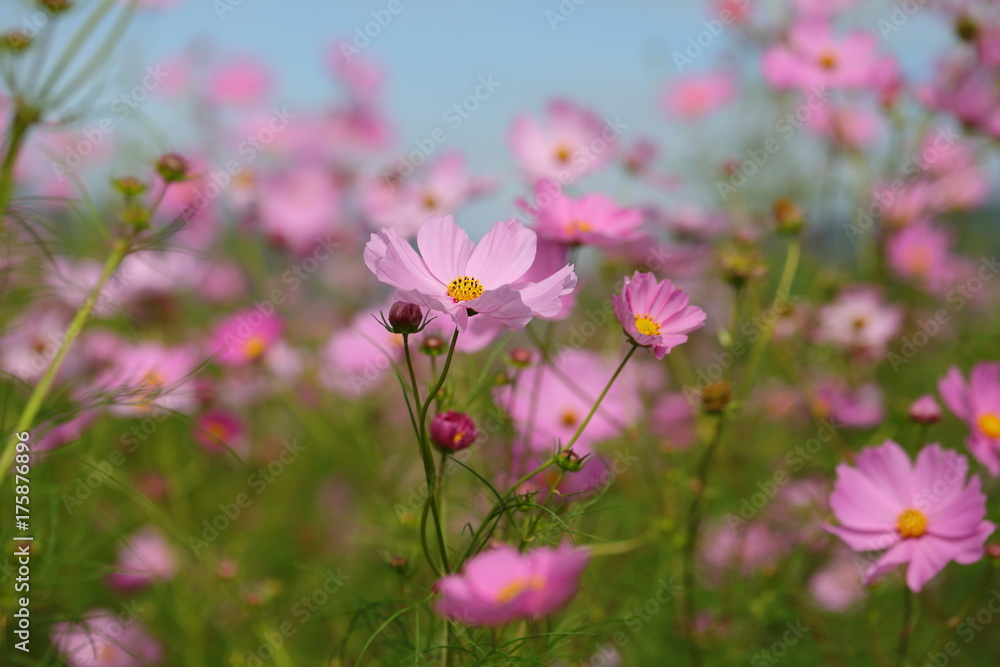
[(922, 514), (968, 92), (574, 142), (696, 95), (977, 402), (240, 82), (404, 203), (299, 208), (925, 410), (921, 253), (850, 126), (147, 377), (568, 386), (245, 337), (655, 313), (837, 586), (753, 548), (216, 430), (860, 321), (454, 276), (857, 407), (814, 57), (145, 558), (593, 219), (822, 8), (103, 639), (359, 356), (501, 585)]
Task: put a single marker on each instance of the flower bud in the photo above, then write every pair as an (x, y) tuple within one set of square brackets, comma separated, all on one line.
[(16, 41), (740, 265), (788, 217), (925, 410), (453, 431), (520, 357), (432, 346), (55, 6), (136, 216), (966, 28), (570, 461), (129, 186), (715, 396), (405, 318), (172, 167), (993, 551)]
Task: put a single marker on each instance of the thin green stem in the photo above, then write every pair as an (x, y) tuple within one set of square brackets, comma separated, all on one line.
[(908, 624), (30, 411), (691, 541)]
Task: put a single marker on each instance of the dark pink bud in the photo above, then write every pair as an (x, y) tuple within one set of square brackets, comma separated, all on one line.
[(925, 410), (405, 318), (453, 431)]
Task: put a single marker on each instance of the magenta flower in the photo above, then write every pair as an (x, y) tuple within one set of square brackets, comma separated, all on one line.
[(977, 402), (922, 514), (593, 219), (696, 95), (145, 558), (218, 430), (656, 314), (102, 639), (453, 431), (922, 253), (925, 410), (299, 209), (454, 276), (245, 337), (500, 585)]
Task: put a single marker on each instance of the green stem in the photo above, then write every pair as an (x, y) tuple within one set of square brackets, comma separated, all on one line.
[(503, 500), (18, 133), (908, 625), (691, 541), (25, 421)]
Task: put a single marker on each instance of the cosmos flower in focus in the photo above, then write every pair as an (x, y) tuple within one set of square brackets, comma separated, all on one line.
[(459, 278), (656, 314)]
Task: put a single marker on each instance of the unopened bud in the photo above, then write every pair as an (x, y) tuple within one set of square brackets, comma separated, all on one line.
[(136, 216), (925, 410), (55, 6), (715, 396), (520, 357), (129, 186), (405, 318), (16, 41), (453, 431), (172, 167), (966, 28), (432, 346), (788, 217), (570, 461)]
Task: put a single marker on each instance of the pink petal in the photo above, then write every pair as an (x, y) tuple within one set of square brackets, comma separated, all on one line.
[(445, 247), (504, 254)]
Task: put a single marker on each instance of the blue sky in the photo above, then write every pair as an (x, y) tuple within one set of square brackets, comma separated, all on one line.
[(613, 55)]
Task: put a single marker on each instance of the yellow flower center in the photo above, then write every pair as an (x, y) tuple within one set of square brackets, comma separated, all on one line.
[(989, 424), (563, 153), (569, 418), (647, 325), (465, 288), (429, 201), (217, 430), (255, 347), (859, 323), (518, 586), (458, 437), (828, 60), (911, 523), (578, 227), (920, 260)]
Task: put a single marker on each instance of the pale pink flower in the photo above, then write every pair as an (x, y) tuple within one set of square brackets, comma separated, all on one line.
[(656, 314), (572, 143), (145, 558), (103, 639), (696, 95), (859, 320), (977, 403), (814, 58), (459, 278)]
